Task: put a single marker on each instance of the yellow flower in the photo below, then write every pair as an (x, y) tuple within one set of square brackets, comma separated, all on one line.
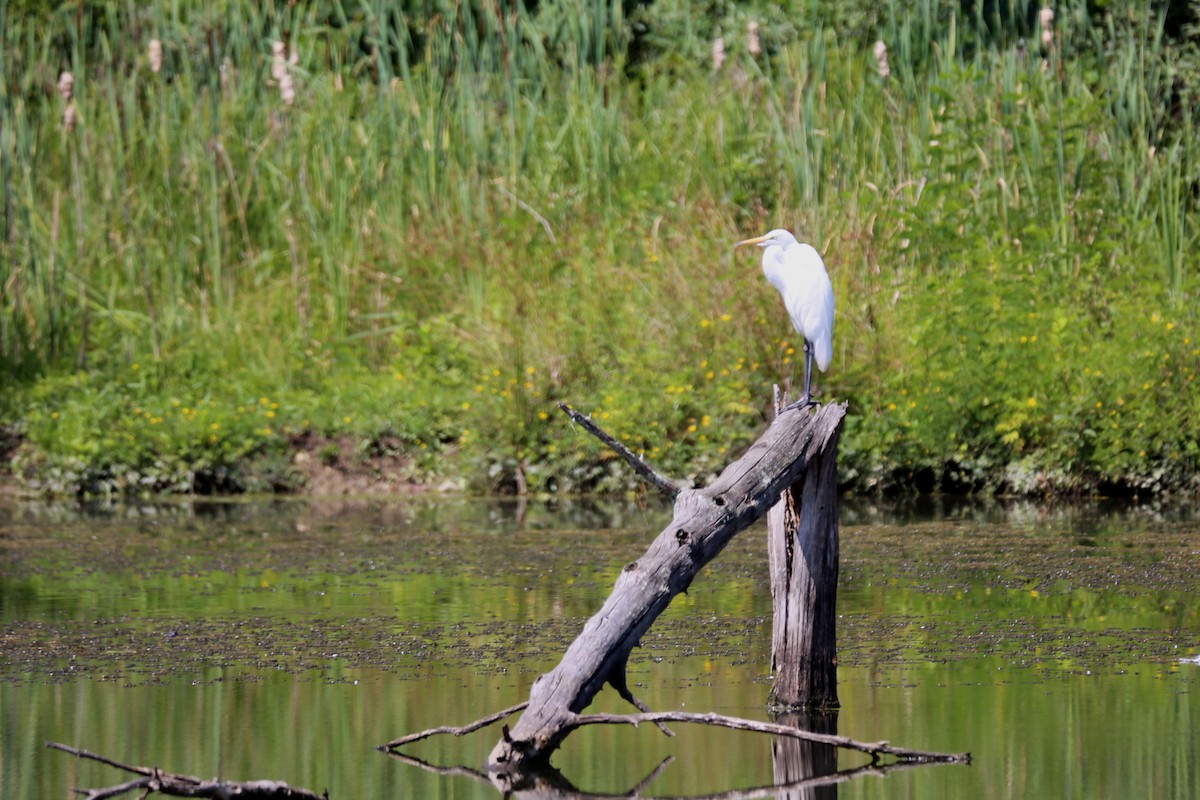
[(725, 318), (1031, 402), (543, 415), (465, 405), (135, 367), (346, 420), (478, 388), (891, 406), (53, 415), (270, 414), (398, 376), (692, 428), (704, 323), (215, 426), (530, 370)]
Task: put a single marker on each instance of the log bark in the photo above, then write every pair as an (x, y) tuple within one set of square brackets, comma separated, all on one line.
[(802, 546), (704, 521)]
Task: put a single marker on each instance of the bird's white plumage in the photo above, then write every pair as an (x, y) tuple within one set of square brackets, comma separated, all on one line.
[(796, 270)]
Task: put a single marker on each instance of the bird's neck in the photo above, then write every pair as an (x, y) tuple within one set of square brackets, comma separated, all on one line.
[(774, 268)]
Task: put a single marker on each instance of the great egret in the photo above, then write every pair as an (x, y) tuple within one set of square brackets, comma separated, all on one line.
[(797, 271)]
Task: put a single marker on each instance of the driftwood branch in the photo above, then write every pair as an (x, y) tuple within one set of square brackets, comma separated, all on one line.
[(461, 730), (644, 470), (155, 780), (873, 749)]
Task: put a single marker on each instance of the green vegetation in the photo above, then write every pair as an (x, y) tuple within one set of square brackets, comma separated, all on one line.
[(471, 210)]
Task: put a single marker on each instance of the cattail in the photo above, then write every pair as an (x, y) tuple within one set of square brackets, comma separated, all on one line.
[(66, 86), (752, 43), (881, 62), (718, 53), (1046, 21), (155, 55)]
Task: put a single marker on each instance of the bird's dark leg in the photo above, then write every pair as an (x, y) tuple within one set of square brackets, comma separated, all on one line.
[(806, 399)]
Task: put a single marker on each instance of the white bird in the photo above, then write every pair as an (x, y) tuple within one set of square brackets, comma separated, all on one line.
[(797, 271)]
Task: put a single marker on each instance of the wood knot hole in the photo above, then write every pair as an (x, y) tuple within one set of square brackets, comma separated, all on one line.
[(631, 566), (719, 501), (681, 536)]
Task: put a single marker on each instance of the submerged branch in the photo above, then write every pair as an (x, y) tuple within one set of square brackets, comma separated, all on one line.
[(155, 780)]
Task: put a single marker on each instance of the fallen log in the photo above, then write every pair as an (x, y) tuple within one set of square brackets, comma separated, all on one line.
[(153, 779)]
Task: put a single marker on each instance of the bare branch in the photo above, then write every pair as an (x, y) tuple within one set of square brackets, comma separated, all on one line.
[(664, 485), (155, 780), (81, 753), (452, 730), (873, 749)]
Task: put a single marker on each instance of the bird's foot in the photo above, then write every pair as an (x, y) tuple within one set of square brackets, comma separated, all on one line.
[(803, 402)]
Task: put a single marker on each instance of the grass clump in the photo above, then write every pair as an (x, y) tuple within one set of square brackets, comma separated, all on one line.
[(287, 223)]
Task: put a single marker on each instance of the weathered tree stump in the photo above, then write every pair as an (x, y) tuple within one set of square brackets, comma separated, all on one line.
[(802, 546), (704, 522)]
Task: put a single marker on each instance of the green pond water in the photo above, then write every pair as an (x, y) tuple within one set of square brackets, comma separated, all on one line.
[(285, 640)]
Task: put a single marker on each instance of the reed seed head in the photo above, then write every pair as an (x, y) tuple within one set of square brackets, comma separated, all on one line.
[(752, 42), (1046, 22), (66, 85), (718, 53), (156, 55), (881, 59)]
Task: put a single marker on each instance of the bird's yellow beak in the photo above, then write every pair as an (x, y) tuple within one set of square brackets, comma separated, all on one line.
[(755, 240)]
